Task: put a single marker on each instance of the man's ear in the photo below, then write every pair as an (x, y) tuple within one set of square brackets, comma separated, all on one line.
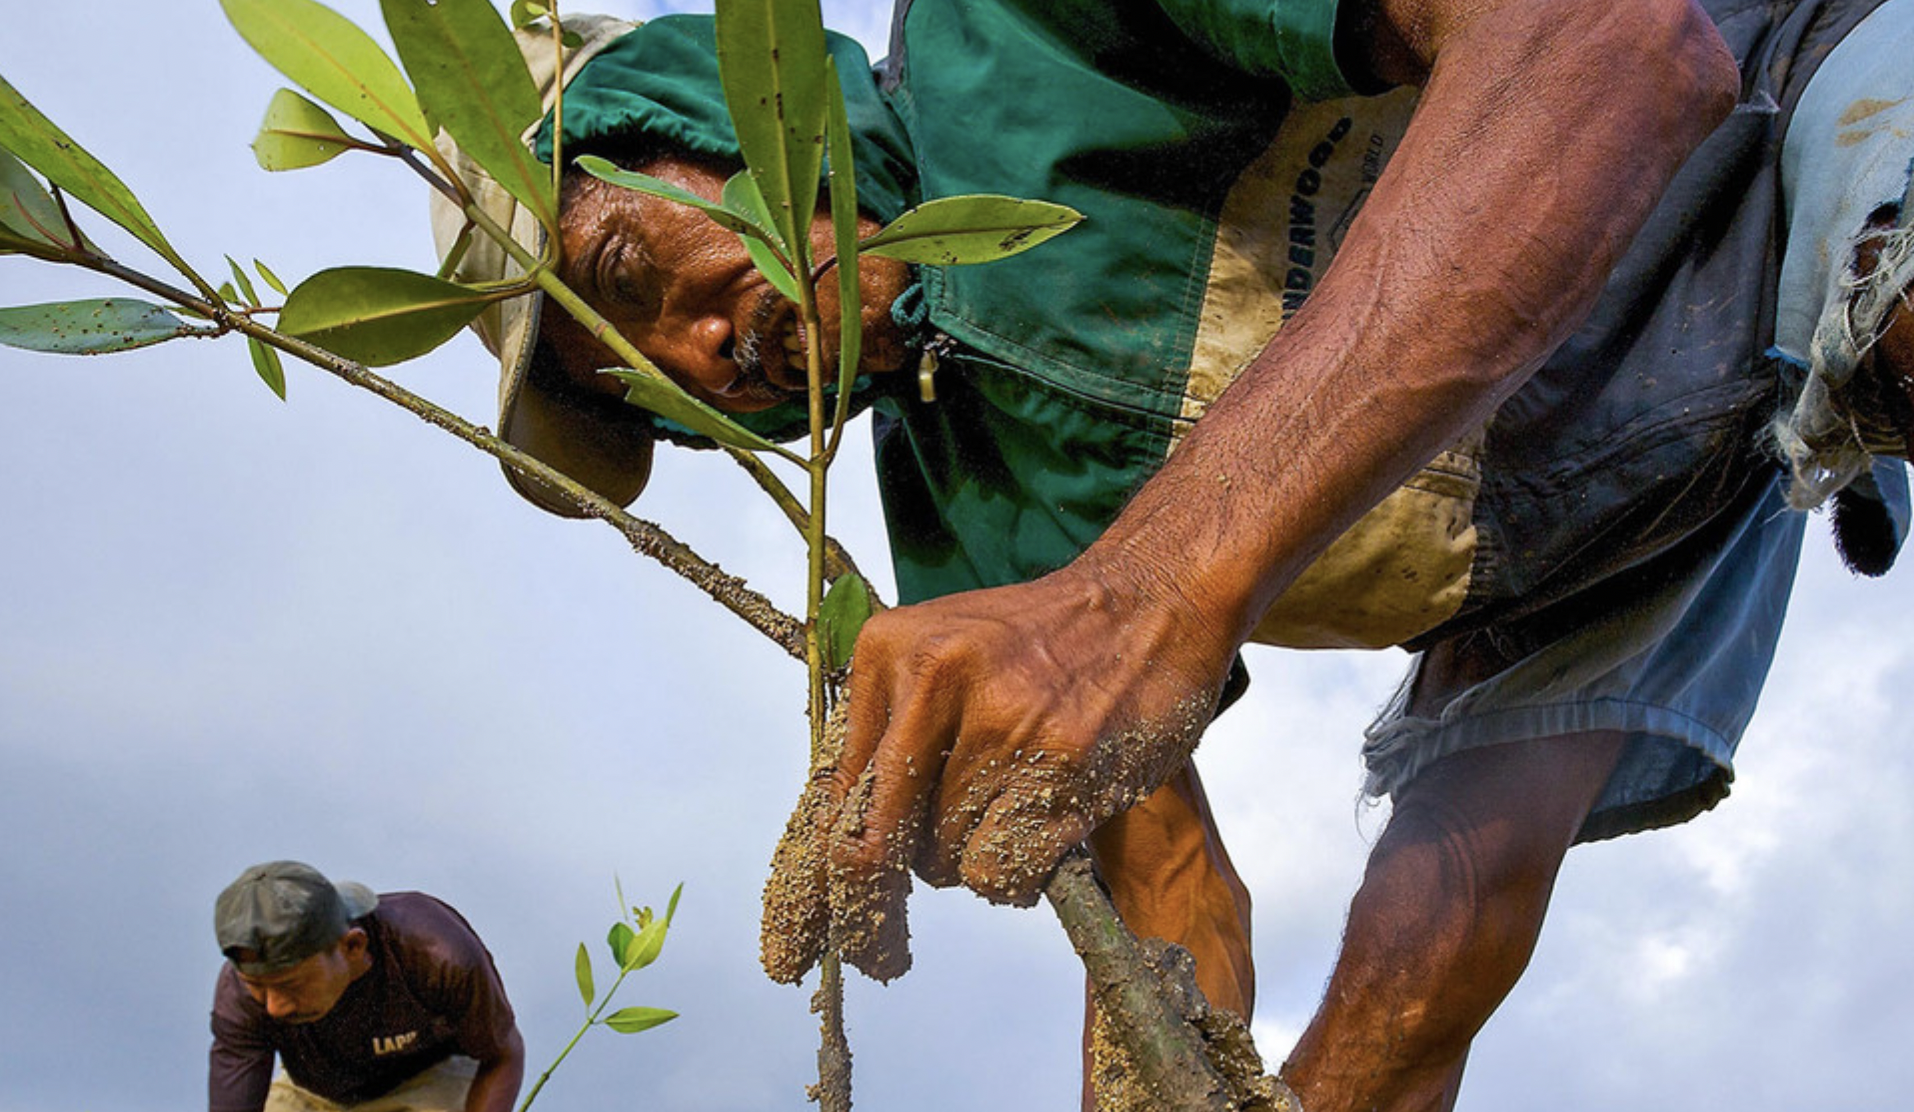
[(353, 943)]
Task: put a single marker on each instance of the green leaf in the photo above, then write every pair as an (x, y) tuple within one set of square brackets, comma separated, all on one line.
[(297, 133), (646, 946), (845, 609), (619, 939), (528, 11), (581, 968), (27, 211), (850, 295), (34, 140), (328, 55), (245, 283), (92, 327), (771, 63), (272, 279), (266, 364), (726, 215), (378, 316), (652, 390), (473, 80), (973, 228), (741, 196), (632, 1020), (672, 907)]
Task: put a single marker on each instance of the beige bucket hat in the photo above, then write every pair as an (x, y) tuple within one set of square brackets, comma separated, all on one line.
[(610, 457)]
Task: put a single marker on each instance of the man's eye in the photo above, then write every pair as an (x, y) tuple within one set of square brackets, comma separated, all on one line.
[(624, 278)]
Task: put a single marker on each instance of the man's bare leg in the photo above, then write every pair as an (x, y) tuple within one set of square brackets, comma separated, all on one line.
[(1445, 921), (1171, 878)]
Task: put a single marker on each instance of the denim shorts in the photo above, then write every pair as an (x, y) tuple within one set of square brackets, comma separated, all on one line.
[(1672, 653)]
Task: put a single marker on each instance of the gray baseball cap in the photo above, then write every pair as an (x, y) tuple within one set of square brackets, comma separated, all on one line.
[(611, 458), (283, 912)]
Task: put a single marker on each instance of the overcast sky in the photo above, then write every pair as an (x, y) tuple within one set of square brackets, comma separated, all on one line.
[(233, 629)]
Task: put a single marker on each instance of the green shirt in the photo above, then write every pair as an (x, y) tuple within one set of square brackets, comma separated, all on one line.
[(1217, 153)]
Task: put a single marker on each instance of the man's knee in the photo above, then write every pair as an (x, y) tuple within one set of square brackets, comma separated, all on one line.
[(1171, 878), (1473, 847)]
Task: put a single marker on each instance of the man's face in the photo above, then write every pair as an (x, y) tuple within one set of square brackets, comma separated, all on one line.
[(310, 989), (684, 292)]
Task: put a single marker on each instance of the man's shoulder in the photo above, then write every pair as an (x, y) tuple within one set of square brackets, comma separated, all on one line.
[(414, 928)]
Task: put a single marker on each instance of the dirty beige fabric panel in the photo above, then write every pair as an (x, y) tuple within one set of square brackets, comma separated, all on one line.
[(439, 1089), (1404, 567), (1400, 571)]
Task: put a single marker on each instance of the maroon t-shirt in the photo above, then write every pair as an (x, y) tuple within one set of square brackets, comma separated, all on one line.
[(432, 992)]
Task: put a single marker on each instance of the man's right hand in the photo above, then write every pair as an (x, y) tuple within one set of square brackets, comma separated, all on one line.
[(989, 732)]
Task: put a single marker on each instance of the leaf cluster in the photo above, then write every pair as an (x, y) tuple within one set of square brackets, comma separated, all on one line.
[(635, 942)]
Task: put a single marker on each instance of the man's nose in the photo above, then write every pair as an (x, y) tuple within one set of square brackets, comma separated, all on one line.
[(279, 1005), (701, 349)]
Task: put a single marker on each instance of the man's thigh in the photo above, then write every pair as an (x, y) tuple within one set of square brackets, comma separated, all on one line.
[(441, 1088)]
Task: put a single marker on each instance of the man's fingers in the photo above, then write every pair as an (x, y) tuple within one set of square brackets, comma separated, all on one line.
[(970, 786), (797, 913), (1017, 846), (895, 751), (867, 711), (869, 908)]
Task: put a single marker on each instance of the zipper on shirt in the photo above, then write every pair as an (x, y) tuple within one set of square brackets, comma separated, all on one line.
[(939, 346)]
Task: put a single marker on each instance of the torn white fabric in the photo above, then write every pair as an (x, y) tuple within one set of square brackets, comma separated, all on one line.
[(1848, 156)]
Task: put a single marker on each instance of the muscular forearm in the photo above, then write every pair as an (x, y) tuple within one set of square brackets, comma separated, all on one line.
[(1019, 718), (495, 1086), (1546, 132)]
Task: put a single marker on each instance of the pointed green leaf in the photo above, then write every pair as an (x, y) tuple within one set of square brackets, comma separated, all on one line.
[(974, 228), (245, 283), (581, 968), (723, 214), (771, 62), (266, 364), (472, 79), (328, 55), (37, 142), (297, 133), (378, 316), (741, 197), (528, 11), (672, 907), (845, 609), (630, 1021), (91, 327), (645, 947), (619, 939), (653, 391), (27, 211), (850, 295), (272, 279)]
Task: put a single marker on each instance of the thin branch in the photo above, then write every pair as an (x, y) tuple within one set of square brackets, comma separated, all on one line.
[(1167, 1050)]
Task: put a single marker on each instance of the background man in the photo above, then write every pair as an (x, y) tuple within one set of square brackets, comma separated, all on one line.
[(1616, 562), (377, 1003)]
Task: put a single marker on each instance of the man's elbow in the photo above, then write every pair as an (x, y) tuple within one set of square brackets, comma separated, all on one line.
[(1672, 66)]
